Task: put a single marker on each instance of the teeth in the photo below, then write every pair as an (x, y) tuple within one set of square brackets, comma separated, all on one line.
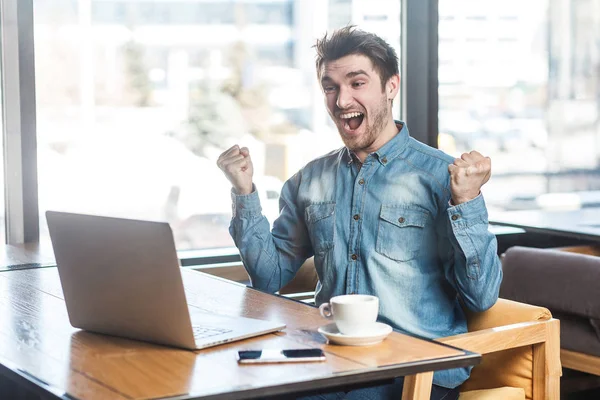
[(350, 115)]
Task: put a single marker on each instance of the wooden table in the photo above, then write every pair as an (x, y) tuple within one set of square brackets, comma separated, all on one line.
[(24, 256), (42, 352), (583, 224)]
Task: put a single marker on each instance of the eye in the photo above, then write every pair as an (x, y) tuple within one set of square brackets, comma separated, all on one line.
[(358, 84), (329, 89)]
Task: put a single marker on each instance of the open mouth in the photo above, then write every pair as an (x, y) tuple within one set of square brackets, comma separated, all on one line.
[(352, 120)]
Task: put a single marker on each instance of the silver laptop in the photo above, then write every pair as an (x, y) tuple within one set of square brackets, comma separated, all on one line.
[(122, 277)]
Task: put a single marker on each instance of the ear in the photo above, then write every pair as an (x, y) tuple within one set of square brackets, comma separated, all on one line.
[(392, 86)]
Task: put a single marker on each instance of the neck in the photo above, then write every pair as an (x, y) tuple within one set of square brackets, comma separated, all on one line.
[(387, 133)]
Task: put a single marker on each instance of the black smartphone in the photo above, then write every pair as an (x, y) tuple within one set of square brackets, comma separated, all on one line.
[(280, 356)]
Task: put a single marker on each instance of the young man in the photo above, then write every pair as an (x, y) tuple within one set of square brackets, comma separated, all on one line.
[(385, 215)]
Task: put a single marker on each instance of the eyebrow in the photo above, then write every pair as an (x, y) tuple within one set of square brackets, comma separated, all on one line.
[(349, 75), (352, 74)]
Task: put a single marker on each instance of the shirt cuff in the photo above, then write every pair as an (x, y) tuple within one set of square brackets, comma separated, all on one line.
[(246, 205), (468, 213)]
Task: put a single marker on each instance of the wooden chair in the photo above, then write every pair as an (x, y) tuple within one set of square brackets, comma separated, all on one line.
[(302, 287), (520, 345)]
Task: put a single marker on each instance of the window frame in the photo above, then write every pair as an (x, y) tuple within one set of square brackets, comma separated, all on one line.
[(19, 122)]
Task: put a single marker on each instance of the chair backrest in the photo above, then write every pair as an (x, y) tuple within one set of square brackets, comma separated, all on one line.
[(305, 280), (565, 282)]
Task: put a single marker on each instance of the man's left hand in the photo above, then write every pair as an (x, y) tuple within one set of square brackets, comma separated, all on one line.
[(467, 175)]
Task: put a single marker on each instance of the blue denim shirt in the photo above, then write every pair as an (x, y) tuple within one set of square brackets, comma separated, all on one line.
[(386, 229)]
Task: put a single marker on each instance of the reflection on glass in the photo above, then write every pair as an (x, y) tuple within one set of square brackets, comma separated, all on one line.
[(136, 100), (520, 82)]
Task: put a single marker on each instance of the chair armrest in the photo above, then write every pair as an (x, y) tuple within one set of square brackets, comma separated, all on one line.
[(520, 345), (507, 324), (506, 312), (503, 337)]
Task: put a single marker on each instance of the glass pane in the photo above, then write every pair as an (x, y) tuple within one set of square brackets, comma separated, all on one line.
[(137, 98), (520, 82), (2, 206)]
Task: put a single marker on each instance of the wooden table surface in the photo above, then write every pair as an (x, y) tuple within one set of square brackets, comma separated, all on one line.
[(39, 349), (29, 255)]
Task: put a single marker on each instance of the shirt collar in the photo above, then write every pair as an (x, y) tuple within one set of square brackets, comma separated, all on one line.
[(388, 151)]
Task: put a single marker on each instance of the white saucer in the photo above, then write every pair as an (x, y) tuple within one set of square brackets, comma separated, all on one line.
[(380, 331)]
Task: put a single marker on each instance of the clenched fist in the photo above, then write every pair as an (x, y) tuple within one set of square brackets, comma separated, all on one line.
[(237, 166), (467, 175)]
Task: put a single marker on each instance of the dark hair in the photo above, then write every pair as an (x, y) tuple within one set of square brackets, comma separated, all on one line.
[(349, 40)]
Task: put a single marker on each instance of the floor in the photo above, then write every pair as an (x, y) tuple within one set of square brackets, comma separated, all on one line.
[(593, 394), (579, 386)]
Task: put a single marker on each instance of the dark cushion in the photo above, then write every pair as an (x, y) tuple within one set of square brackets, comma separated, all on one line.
[(578, 334), (567, 283)]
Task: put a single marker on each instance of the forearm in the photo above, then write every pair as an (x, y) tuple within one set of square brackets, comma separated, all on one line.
[(270, 258), (476, 266)]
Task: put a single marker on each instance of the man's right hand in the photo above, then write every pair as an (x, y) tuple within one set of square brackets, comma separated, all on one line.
[(237, 166)]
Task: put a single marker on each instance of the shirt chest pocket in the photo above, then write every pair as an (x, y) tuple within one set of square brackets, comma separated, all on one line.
[(400, 231), (320, 222)]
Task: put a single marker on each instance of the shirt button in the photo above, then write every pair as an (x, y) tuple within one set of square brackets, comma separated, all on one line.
[(384, 160), (361, 182), (356, 217), (455, 217), (354, 257), (401, 220)]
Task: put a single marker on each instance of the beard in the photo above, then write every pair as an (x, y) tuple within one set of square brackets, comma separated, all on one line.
[(378, 120)]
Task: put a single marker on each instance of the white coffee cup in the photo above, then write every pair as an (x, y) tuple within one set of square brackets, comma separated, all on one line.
[(354, 314)]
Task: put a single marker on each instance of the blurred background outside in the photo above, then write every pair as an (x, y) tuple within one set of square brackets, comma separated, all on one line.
[(520, 81), (136, 99)]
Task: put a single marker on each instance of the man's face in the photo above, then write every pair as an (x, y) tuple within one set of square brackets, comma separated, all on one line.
[(356, 102)]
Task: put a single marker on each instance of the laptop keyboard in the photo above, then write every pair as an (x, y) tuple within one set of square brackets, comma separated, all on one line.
[(201, 332)]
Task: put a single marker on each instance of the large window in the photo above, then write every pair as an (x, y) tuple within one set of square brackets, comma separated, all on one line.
[(520, 81), (136, 100), (2, 206)]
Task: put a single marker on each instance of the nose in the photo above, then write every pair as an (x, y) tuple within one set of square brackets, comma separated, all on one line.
[(344, 99)]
